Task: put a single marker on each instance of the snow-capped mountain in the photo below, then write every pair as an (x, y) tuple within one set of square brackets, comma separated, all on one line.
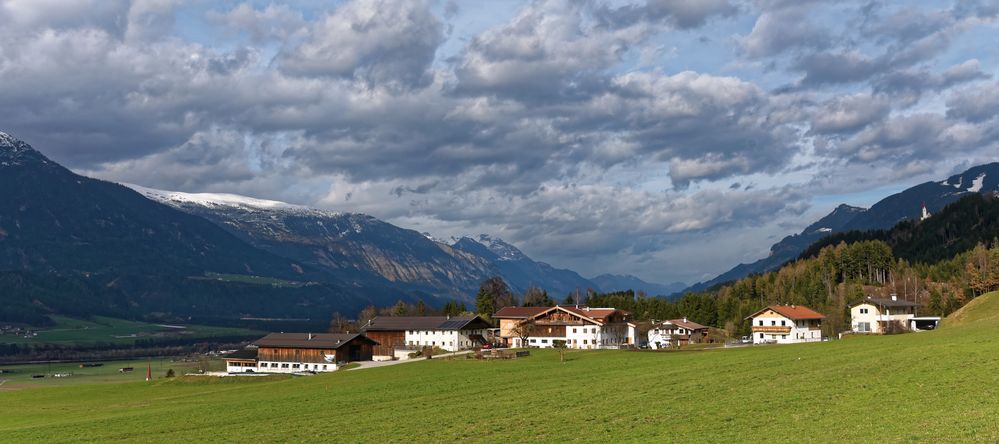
[(362, 250)]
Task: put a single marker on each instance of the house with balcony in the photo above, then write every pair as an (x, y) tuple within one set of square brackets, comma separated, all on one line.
[(786, 324), (579, 327), (675, 332), (888, 315)]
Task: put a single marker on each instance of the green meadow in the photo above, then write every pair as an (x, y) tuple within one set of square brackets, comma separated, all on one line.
[(940, 386), (83, 332)]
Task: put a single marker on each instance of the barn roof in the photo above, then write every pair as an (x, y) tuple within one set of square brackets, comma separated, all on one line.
[(519, 312), (792, 312), (311, 340), (685, 323), (246, 353), (397, 323)]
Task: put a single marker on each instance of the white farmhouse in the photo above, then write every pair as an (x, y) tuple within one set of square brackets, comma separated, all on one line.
[(675, 332), (880, 315), (786, 324), (579, 327), (408, 333)]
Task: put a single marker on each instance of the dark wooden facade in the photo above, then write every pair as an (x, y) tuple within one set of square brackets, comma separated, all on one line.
[(356, 350), (388, 341)]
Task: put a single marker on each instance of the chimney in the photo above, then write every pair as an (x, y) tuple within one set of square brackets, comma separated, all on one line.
[(894, 297), (684, 319), (310, 336)]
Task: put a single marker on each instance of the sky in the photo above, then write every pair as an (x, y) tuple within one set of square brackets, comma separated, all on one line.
[(669, 139)]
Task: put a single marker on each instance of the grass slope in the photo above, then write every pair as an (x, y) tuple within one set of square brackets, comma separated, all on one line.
[(940, 386)]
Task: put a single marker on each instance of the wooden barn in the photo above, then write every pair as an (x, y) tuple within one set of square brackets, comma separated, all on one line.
[(302, 352)]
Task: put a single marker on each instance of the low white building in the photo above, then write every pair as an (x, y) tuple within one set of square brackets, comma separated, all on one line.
[(415, 332), (881, 315), (786, 324), (675, 332), (579, 327), (300, 352)]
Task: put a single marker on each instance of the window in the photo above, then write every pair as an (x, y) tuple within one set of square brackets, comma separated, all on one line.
[(863, 311), (782, 323), (534, 341), (772, 323), (284, 365), (761, 322), (324, 366), (263, 364), (294, 366), (864, 327), (584, 341), (274, 365), (574, 330), (761, 334), (783, 336)]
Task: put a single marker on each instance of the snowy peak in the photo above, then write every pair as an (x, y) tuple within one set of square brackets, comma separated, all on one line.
[(502, 250), (179, 199), (14, 152)]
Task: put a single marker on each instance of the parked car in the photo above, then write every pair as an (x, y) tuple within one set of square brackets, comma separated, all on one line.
[(487, 346)]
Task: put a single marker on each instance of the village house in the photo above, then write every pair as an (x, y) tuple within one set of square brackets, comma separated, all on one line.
[(675, 332), (888, 315), (579, 327), (400, 335), (786, 324), (300, 352)]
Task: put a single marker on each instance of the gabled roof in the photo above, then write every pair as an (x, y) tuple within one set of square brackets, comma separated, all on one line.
[(688, 324), (519, 312), (246, 353), (399, 323), (792, 312), (884, 302), (311, 340)]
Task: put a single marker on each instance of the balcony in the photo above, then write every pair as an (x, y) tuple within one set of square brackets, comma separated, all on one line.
[(771, 329)]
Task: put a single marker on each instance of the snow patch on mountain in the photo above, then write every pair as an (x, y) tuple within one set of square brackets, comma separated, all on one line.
[(225, 200), (977, 184)]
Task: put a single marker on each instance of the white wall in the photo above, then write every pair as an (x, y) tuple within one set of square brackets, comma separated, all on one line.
[(873, 315), (799, 331), (281, 367), (450, 340)]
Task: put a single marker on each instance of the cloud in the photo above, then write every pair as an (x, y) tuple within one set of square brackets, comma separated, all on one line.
[(273, 22), (379, 41), (551, 126)]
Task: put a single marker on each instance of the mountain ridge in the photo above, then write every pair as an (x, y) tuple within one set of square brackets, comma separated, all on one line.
[(884, 214)]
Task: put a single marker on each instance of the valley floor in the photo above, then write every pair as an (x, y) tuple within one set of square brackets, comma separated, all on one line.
[(940, 386)]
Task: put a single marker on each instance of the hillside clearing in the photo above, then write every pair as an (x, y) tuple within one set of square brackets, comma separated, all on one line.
[(935, 386)]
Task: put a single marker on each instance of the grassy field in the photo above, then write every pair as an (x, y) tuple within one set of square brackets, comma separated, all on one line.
[(21, 374), (940, 386), (82, 332)]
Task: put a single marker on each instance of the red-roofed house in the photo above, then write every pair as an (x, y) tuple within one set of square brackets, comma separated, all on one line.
[(786, 324), (579, 327)]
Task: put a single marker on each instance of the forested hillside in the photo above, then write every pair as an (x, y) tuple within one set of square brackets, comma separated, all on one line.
[(942, 262)]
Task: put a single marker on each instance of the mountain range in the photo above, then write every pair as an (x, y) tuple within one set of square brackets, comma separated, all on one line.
[(883, 215), (134, 251)]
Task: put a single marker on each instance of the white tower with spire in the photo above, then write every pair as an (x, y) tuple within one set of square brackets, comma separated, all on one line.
[(926, 213)]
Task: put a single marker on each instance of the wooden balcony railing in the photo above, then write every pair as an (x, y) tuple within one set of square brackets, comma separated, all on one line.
[(771, 329)]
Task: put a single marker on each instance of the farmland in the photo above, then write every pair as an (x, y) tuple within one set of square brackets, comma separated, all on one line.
[(940, 386), (98, 329)]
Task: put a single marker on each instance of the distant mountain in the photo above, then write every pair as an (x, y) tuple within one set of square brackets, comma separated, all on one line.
[(69, 243), (957, 228), (361, 251), (616, 282), (520, 271), (357, 249), (886, 213)]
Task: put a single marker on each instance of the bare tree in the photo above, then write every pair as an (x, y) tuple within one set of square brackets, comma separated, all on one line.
[(523, 330), (340, 324)]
